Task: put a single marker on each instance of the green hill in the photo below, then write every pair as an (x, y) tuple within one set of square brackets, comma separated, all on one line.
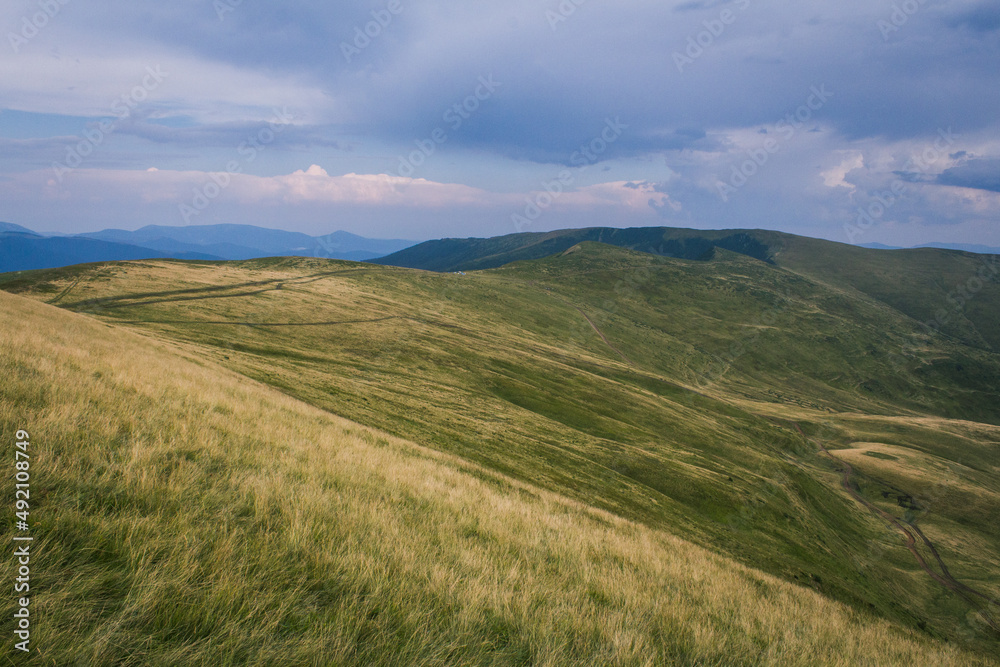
[(948, 291), (691, 398), (955, 293), (471, 254)]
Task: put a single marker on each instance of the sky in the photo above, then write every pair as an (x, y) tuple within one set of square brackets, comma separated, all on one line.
[(860, 121)]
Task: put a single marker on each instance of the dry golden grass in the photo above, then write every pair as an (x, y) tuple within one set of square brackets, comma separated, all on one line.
[(186, 515), (914, 467)]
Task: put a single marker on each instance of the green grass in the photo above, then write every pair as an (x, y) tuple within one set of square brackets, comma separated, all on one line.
[(955, 293), (184, 515), (680, 422)]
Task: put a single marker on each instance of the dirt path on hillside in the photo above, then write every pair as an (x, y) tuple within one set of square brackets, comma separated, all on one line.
[(908, 530), (65, 292), (233, 290), (597, 330), (601, 334)]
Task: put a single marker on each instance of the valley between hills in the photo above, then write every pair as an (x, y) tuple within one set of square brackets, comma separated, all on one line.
[(584, 448)]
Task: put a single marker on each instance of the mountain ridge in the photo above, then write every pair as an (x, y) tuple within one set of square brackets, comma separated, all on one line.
[(205, 242), (28, 251), (954, 284)]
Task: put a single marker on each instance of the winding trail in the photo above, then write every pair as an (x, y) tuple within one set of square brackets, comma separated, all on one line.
[(551, 293), (967, 593)]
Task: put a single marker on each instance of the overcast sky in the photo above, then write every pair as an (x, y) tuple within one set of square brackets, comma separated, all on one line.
[(853, 120)]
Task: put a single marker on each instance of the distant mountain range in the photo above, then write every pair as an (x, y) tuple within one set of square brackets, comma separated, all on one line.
[(11, 227), (967, 247), (476, 253), (22, 249)]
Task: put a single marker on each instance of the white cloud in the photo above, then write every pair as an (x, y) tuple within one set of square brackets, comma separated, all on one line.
[(834, 177), (314, 189)]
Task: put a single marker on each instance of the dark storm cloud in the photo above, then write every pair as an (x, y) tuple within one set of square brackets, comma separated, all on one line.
[(983, 174), (692, 88), (602, 59)]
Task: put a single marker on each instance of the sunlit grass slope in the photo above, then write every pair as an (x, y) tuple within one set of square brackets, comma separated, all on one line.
[(186, 515), (662, 391), (954, 292)]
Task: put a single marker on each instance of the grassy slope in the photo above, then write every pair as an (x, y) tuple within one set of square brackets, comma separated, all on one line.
[(692, 435), (925, 284), (955, 292), (185, 515), (474, 253)]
